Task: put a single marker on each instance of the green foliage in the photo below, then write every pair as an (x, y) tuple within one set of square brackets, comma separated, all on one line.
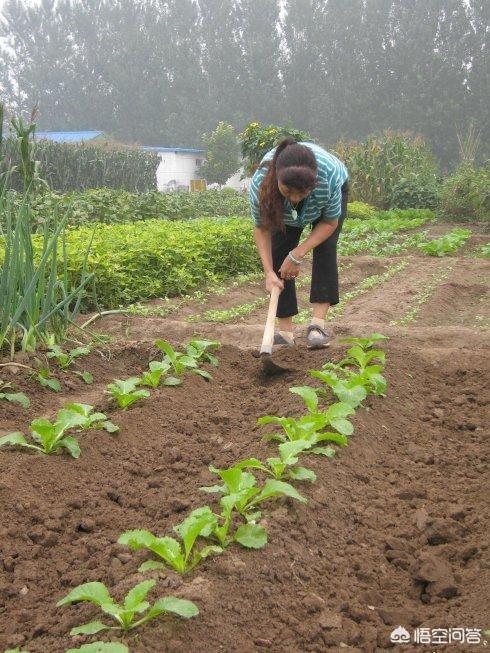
[(158, 259), (115, 206), (63, 359), (13, 397), (256, 141), (446, 244), (466, 193), (125, 392), (75, 167), (124, 614), (222, 155), (180, 556), (392, 170), (360, 211), (37, 300), (51, 437)]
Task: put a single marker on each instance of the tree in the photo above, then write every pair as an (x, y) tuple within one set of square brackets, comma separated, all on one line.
[(222, 155)]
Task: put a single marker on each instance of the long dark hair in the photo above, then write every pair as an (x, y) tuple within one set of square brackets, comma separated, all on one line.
[(293, 165)]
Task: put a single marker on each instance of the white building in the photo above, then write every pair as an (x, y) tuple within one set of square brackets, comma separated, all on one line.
[(178, 166)]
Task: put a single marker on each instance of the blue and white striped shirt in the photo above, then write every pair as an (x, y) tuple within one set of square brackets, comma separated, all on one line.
[(325, 199)]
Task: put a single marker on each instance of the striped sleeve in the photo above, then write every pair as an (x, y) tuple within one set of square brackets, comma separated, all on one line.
[(333, 208), (253, 195)]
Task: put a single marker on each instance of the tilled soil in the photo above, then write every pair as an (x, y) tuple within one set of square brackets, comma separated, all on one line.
[(395, 531)]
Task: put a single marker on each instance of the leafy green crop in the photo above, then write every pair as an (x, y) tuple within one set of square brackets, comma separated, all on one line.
[(199, 350), (14, 397), (153, 376), (124, 614), (365, 343), (284, 466), (180, 362), (446, 244), (241, 492), (51, 437), (63, 359), (45, 379), (125, 392), (181, 557)]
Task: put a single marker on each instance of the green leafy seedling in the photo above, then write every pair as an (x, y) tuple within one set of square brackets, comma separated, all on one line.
[(47, 381), (51, 437), (100, 647), (153, 376), (124, 614), (198, 349), (13, 397), (356, 355), (87, 377), (65, 360), (350, 391), (241, 492), (126, 392), (181, 362), (180, 557), (285, 466)]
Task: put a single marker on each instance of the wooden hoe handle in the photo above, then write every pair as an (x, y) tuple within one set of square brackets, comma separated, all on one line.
[(268, 338)]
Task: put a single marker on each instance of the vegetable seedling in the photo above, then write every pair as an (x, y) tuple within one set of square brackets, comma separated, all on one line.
[(13, 397), (180, 557), (50, 437), (125, 392), (63, 359), (124, 614), (181, 362), (350, 392), (240, 491), (285, 465), (198, 349), (153, 376), (45, 379)]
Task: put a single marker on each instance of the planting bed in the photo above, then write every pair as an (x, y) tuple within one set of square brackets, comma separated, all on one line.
[(395, 529)]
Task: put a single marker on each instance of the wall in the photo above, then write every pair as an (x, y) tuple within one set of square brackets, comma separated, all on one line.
[(180, 167)]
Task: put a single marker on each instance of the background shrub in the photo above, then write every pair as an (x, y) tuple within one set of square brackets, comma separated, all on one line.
[(69, 167), (119, 206), (392, 170), (466, 193), (360, 210)]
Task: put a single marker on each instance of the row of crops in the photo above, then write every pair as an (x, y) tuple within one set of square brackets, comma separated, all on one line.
[(243, 490)]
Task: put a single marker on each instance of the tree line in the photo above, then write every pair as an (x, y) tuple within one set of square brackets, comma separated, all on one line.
[(165, 72)]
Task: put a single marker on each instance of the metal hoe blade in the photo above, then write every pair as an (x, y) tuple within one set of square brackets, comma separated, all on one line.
[(270, 368)]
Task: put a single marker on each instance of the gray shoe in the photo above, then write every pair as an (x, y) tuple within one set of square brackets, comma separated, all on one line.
[(316, 337), (280, 342)]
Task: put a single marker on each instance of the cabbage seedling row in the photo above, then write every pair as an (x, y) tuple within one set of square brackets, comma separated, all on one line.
[(243, 488)]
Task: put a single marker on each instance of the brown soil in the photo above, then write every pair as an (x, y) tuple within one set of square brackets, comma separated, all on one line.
[(394, 532)]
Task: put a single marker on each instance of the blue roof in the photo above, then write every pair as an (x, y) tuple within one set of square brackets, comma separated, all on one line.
[(188, 150), (68, 137)]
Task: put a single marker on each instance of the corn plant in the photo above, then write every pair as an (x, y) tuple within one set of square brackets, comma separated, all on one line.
[(125, 392), (125, 614), (241, 492), (51, 437), (182, 557), (63, 359), (14, 397), (100, 647)]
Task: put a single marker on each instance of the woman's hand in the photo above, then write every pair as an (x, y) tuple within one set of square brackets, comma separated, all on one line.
[(271, 280), (288, 269)]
